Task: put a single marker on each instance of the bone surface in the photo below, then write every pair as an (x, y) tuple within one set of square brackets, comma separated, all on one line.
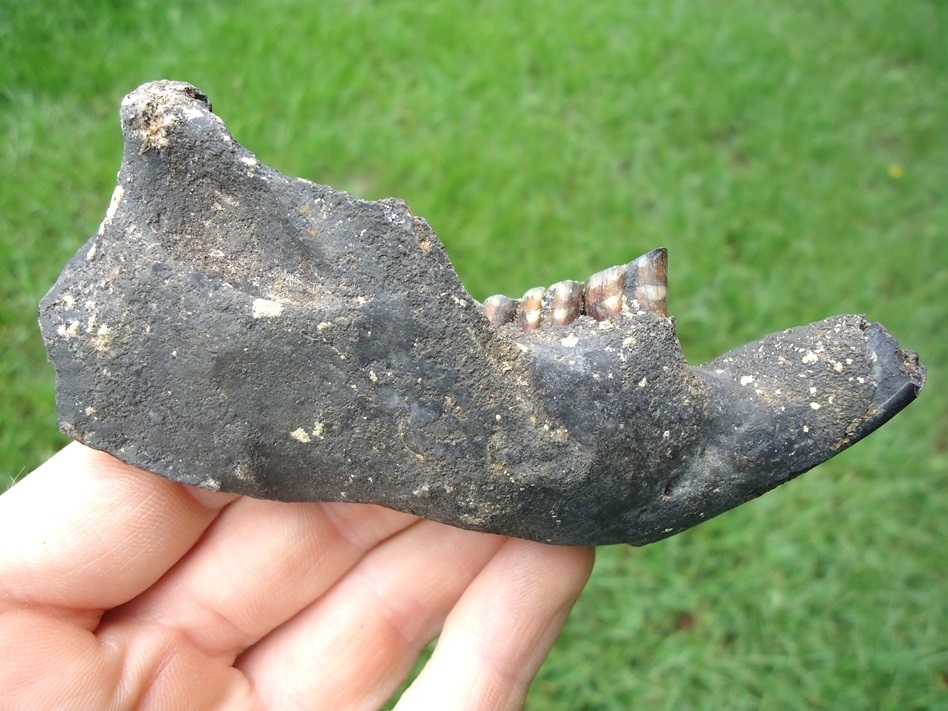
[(236, 329)]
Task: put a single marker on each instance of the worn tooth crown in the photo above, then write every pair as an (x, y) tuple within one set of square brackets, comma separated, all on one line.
[(500, 309), (604, 293), (532, 309), (646, 281), (564, 302)]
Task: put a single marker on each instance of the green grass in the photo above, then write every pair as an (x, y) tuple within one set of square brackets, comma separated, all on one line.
[(793, 157)]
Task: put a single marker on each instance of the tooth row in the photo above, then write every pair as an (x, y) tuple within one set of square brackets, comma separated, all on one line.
[(640, 285)]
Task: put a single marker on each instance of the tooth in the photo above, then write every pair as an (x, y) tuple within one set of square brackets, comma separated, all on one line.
[(531, 309), (646, 281), (563, 302), (604, 292), (500, 309)]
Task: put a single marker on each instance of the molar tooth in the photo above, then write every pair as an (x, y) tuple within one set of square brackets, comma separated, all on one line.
[(563, 302), (531, 309), (604, 292), (500, 309), (646, 281)]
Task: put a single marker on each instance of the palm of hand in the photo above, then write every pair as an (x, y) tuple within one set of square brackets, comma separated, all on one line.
[(119, 589)]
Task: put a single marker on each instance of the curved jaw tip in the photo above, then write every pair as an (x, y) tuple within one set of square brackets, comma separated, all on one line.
[(233, 328), (900, 377)]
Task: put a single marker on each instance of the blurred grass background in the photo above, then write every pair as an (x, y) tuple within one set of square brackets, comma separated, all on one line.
[(793, 157)]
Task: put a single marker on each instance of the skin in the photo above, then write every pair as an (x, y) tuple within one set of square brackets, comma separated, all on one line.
[(120, 590)]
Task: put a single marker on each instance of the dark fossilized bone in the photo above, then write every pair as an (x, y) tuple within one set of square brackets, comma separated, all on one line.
[(236, 329)]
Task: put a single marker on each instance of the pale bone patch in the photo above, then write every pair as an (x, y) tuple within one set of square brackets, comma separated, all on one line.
[(265, 308), (69, 331), (114, 203), (300, 435), (103, 338)]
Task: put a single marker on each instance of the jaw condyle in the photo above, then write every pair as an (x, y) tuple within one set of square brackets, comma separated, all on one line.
[(236, 329)]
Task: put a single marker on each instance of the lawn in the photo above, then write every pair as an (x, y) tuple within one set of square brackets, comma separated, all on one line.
[(793, 158)]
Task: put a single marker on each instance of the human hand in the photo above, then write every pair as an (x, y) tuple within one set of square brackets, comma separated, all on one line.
[(120, 589)]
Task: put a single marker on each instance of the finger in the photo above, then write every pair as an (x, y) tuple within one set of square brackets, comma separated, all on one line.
[(92, 533), (502, 629), (259, 564), (353, 647), (49, 663)]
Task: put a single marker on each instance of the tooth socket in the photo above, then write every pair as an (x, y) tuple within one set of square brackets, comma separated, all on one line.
[(646, 281), (604, 292), (500, 309), (563, 302), (531, 309)]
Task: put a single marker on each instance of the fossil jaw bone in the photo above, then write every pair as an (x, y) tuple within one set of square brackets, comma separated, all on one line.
[(233, 328)]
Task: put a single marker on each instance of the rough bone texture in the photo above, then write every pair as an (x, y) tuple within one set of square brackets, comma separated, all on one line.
[(235, 329)]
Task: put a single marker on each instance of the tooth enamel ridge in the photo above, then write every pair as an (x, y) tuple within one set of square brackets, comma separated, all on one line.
[(233, 328)]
